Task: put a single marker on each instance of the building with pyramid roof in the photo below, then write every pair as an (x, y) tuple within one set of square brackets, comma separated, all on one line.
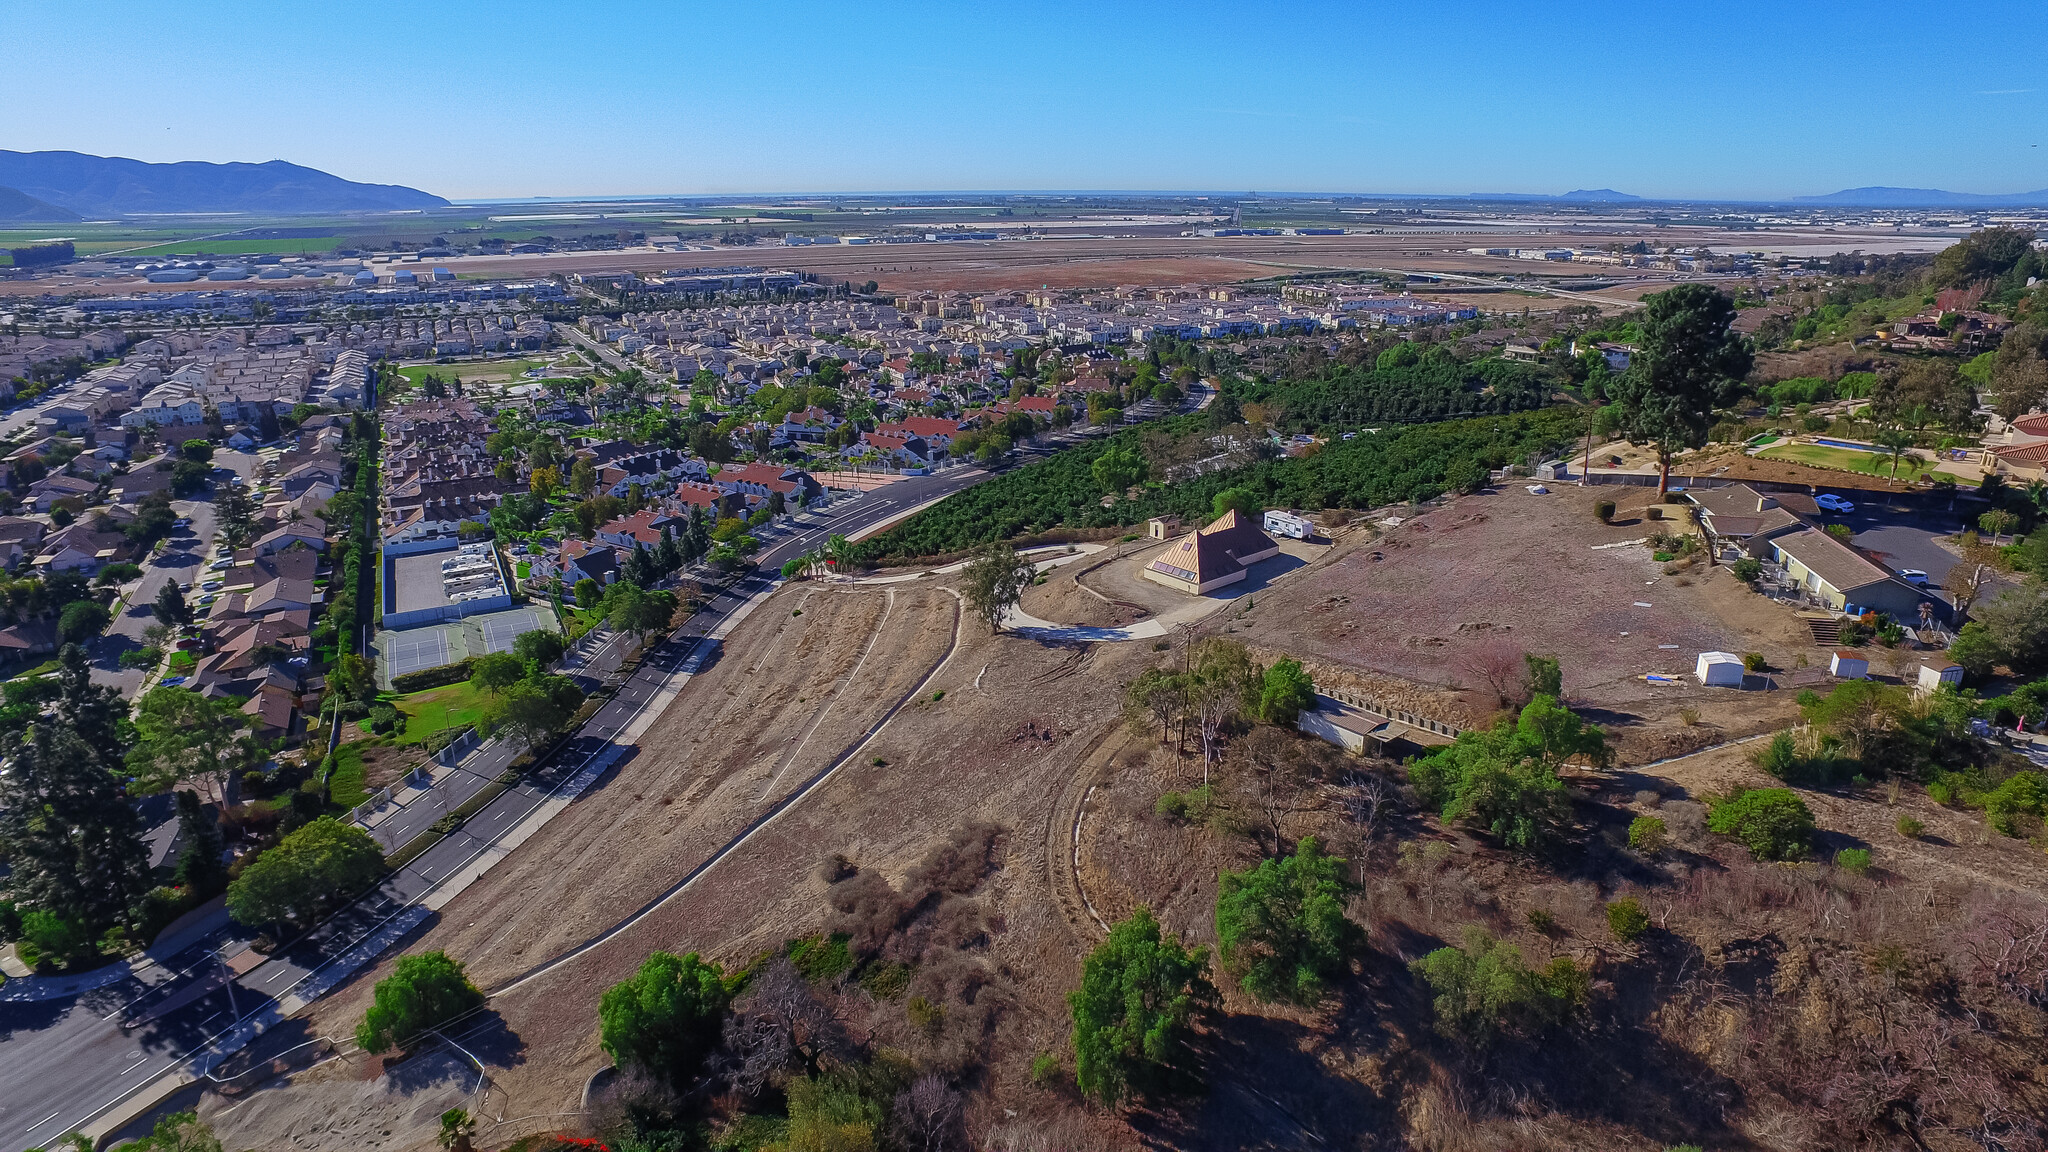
[(1212, 557)]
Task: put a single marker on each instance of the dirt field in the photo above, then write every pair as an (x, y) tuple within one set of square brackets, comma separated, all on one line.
[(998, 745), (1444, 597)]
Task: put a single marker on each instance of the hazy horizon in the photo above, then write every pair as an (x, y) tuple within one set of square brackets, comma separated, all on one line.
[(516, 101)]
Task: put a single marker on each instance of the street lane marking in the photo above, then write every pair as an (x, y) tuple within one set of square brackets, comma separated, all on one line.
[(145, 1059), (45, 1120)]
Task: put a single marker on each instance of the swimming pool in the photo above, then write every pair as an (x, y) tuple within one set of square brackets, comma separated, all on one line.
[(1850, 444)]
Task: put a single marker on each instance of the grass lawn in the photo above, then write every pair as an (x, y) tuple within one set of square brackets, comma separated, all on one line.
[(436, 709), (1845, 460), (345, 787), (182, 661)]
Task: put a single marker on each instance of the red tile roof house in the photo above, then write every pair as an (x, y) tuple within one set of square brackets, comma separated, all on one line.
[(812, 424), (759, 481), (1213, 557), (642, 527), (701, 494), (937, 431), (899, 447)]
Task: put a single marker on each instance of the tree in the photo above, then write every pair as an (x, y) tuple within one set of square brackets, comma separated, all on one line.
[(199, 865), (531, 709), (185, 738), (1118, 469), (994, 581), (666, 1018), (1484, 988), (1504, 779), (1998, 522), (424, 992), (630, 608), (588, 593), (1139, 992), (1774, 823), (322, 863), (545, 482), (73, 842), (1689, 362), (540, 647), (170, 607), (235, 512), (582, 478), (83, 620), (197, 451), (1281, 928), (458, 1128), (1895, 440), (1243, 500), (494, 672), (1285, 692), (2016, 623)]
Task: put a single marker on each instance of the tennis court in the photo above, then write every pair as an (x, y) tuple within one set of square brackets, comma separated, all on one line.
[(414, 651), (500, 629)]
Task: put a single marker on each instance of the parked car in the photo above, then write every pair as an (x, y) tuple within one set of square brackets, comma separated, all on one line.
[(182, 522), (1834, 503), (222, 564), (1913, 576)]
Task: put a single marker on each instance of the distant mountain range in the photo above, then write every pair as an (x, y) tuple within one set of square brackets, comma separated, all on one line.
[(1923, 198), (1577, 195), (18, 207), (82, 186)]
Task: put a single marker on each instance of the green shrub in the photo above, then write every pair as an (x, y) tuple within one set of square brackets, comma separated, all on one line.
[(1753, 662), (1542, 922), (1627, 920), (1748, 569), (1281, 928), (2022, 794), (1910, 828), (1045, 1069), (1854, 860), (1774, 823), (423, 993), (1483, 988), (1604, 510), (434, 677), (822, 958), (1780, 757), (1646, 834)]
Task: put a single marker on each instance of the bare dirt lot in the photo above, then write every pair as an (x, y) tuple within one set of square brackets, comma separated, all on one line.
[(1448, 597), (1010, 719)]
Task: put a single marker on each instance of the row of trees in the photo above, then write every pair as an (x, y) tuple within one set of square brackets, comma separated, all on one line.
[(1368, 471), (1407, 384)]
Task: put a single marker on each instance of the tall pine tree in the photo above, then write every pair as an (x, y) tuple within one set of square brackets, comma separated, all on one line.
[(73, 841)]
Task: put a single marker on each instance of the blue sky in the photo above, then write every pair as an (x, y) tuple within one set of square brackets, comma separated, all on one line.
[(1655, 97)]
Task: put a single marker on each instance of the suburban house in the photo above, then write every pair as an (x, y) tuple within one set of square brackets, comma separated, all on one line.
[(1739, 516), (1843, 578), (82, 547), (898, 447), (643, 528), (311, 533), (1212, 557), (59, 486)]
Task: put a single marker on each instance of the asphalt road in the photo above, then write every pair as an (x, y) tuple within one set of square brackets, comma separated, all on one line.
[(1901, 529), (64, 1062)]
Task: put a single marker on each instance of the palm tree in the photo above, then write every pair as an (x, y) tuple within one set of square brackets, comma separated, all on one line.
[(1896, 440)]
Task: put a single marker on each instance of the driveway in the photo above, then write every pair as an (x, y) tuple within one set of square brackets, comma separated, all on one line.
[(183, 557)]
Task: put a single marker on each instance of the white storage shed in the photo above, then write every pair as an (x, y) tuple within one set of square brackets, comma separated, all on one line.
[(1848, 665), (1719, 670)]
